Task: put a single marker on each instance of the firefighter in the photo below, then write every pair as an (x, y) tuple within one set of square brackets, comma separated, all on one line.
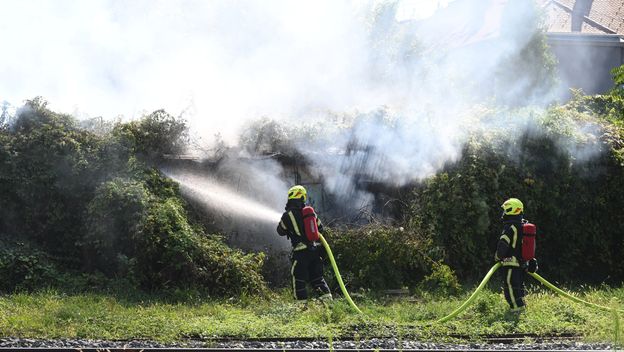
[(509, 253), (306, 256)]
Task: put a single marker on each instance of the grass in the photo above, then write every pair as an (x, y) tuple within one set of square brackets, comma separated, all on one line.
[(50, 314)]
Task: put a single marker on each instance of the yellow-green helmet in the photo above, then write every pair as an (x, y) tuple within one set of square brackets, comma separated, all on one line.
[(297, 192), (512, 206)]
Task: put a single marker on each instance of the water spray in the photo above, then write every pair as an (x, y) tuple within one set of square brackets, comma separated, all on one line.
[(219, 197)]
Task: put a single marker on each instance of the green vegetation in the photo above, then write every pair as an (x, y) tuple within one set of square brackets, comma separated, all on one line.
[(569, 172), (379, 257), (84, 210), (84, 207), (50, 314)]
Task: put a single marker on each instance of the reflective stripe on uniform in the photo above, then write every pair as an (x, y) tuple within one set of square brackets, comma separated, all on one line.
[(292, 273), (283, 225), (299, 247), (511, 261), (510, 288), (505, 238), (294, 222), (515, 236)]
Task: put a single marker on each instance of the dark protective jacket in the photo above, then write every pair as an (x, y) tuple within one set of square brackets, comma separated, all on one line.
[(307, 257), (509, 247), (291, 225)]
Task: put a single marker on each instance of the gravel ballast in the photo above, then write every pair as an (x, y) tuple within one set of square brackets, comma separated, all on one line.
[(386, 343)]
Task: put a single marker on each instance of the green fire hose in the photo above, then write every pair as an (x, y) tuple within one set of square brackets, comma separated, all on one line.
[(472, 296), (569, 296), (337, 272), (614, 311), (538, 278)]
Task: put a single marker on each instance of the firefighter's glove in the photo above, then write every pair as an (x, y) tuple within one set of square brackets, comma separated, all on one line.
[(532, 265)]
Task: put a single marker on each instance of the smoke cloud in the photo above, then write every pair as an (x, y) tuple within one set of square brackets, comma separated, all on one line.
[(404, 76)]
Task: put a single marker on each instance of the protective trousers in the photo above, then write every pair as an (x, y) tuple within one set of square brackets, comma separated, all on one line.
[(513, 286), (307, 266)]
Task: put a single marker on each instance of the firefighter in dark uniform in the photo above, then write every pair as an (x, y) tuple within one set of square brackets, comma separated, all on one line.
[(509, 253), (306, 257)]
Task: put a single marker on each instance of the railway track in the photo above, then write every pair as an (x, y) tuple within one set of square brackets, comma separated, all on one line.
[(179, 349), (485, 343), (489, 339)]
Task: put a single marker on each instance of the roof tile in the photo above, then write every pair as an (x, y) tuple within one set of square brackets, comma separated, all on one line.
[(608, 13)]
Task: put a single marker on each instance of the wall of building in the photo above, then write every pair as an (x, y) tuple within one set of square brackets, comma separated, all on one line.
[(585, 60)]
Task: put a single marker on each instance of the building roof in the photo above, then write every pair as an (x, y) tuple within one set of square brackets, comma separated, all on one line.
[(584, 16)]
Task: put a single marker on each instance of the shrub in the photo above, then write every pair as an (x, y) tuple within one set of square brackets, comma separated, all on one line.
[(441, 280), (114, 214), (48, 175), (380, 256), (154, 135), (23, 267), (150, 239), (92, 205), (266, 136), (571, 182)]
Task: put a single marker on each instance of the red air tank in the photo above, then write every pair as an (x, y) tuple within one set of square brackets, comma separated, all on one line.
[(529, 232), (309, 224)]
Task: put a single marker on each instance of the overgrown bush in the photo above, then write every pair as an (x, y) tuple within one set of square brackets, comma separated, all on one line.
[(380, 256), (442, 281), (569, 174), (24, 267), (169, 251), (93, 205), (135, 233), (48, 174), (154, 135), (114, 214), (266, 136)]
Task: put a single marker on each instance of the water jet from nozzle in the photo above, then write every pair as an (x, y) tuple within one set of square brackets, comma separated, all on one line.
[(210, 193)]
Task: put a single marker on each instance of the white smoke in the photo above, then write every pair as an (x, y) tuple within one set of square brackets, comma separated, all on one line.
[(230, 61), (411, 80)]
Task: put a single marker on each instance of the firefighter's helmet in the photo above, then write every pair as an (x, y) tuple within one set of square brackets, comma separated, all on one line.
[(512, 206), (297, 192)]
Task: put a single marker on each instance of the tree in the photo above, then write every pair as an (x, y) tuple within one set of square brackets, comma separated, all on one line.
[(154, 135)]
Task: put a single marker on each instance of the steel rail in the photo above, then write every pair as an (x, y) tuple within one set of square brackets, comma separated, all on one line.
[(481, 337), (486, 339)]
